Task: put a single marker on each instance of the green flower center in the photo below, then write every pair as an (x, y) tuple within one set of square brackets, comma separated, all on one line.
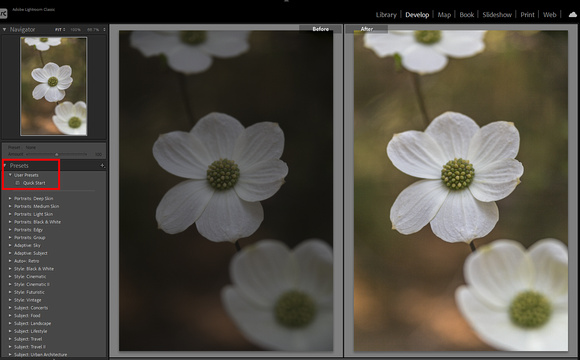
[(52, 81), (457, 174), (530, 309), (43, 39), (193, 37), (74, 122), (295, 309), (223, 174), (428, 36)]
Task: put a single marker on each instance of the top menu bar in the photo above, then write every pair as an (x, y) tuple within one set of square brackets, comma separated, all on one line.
[(280, 11), (473, 15)]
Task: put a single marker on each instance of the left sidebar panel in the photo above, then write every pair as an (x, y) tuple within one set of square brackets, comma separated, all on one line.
[(54, 194)]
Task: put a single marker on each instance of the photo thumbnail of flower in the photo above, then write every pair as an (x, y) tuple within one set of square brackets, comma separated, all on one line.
[(71, 119), (53, 71), (54, 80), (476, 147), (212, 162)]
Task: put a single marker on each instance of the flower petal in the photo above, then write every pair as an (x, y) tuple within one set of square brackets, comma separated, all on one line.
[(182, 154), (80, 109), (53, 94), (388, 44), (550, 259), (40, 75), (453, 132), (498, 271), (39, 91), (51, 69), (553, 336), (65, 83), (65, 110), (64, 72), (42, 47), (494, 141), (461, 44), (417, 205), (188, 59), (154, 43), (263, 271), (496, 180), (229, 218), (182, 205), (464, 218), (423, 59), (218, 132), (256, 322), (259, 142), (226, 43), (318, 336), (491, 324), (314, 270), (417, 154), (262, 180)]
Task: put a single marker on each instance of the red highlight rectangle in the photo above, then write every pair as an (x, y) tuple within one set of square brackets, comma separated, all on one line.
[(31, 188)]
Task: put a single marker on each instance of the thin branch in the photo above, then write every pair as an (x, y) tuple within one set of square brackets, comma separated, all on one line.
[(472, 245), (420, 98), (185, 97)]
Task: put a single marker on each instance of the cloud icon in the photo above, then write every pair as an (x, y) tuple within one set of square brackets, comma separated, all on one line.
[(573, 14)]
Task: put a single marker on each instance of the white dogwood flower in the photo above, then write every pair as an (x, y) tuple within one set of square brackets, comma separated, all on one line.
[(71, 119), (426, 51), (229, 168), (53, 81), (464, 168), (517, 299), (282, 299), (42, 43), (191, 51)]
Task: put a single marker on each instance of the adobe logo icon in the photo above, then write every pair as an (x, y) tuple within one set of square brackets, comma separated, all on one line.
[(3, 13)]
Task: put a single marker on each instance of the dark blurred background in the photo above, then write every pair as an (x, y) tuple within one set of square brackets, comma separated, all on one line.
[(36, 115), (170, 284), (405, 285)]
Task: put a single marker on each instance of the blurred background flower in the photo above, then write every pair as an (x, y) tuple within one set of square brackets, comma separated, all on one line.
[(404, 284), (188, 51), (282, 299), (426, 51), (517, 299), (42, 44), (71, 118)]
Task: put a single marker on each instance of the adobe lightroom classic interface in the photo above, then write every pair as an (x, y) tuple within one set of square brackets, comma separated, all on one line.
[(400, 185)]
